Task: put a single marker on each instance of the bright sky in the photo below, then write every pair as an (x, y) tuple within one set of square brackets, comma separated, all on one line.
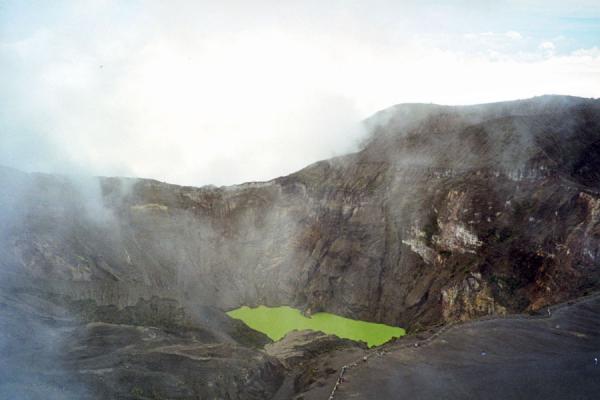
[(199, 92)]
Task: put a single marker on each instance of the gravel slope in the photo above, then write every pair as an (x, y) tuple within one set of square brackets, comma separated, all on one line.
[(512, 358)]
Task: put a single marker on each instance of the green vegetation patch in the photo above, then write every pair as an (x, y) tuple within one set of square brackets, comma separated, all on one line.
[(276, 322)]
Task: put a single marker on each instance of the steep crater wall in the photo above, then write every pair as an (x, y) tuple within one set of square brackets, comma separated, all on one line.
[(447, 213)]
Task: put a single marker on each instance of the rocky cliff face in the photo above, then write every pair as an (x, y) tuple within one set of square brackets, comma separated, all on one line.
[(447, 213)]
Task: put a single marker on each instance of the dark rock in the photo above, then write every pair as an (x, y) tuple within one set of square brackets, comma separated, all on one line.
[(447, 214), (48, 355)]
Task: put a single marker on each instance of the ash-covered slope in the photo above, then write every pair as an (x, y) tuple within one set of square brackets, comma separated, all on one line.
[(55, 349), (549, 357), (448, 213)]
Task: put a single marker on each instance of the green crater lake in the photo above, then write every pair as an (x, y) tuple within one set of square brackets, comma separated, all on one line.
[(276, 322)]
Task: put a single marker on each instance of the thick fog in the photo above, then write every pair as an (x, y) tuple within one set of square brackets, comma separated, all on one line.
[(203, 92)]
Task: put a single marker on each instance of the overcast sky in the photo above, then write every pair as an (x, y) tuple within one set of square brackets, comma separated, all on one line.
[(199, 92)]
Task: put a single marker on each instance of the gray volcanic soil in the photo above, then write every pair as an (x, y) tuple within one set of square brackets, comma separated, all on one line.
[(54, 349), (511, 358)]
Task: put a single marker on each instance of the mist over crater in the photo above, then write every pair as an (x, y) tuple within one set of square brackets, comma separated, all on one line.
[(446, 214)]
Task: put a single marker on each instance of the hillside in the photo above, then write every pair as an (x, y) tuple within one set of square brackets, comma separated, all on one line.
[(446, 214)]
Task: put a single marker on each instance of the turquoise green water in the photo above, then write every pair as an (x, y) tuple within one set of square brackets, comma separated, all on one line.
[(276, 322)]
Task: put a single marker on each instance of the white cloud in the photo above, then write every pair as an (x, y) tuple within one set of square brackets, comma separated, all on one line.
[(218, 97), (513, 35), (547, 46)]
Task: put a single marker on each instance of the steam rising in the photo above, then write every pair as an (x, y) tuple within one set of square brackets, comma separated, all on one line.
[(199, 93)]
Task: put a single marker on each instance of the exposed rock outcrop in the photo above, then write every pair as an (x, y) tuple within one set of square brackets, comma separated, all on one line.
[(298, 347), (447, 213), (396, 233)]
